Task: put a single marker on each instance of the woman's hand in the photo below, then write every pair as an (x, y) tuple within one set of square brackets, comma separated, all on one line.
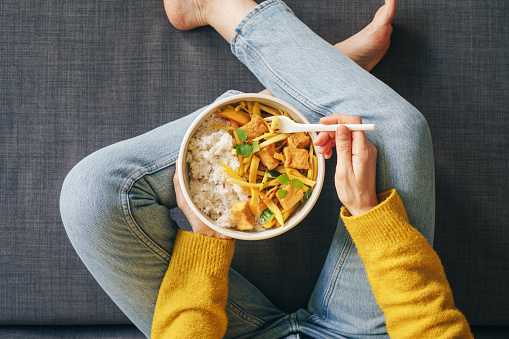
[(197, 225), (356, 163)]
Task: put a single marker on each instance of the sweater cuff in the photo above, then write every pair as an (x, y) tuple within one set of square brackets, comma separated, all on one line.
[(205, 255), (384, 225)]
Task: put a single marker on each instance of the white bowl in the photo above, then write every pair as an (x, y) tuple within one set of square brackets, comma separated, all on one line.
[(183, 169)]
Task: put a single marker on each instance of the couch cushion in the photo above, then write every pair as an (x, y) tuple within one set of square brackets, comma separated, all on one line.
[(77, 76), (71, 332)]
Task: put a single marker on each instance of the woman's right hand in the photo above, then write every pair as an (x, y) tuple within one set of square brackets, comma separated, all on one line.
[(356, 163)]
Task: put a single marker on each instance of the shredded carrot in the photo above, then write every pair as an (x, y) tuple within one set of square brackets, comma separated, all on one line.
[(282, 144), (270, 192)]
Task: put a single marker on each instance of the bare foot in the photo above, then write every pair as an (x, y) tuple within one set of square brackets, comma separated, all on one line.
[(186, 14), (366, 48), (222, 15), (369, 46)]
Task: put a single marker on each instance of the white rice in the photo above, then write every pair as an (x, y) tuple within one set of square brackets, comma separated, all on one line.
[(207, 178)]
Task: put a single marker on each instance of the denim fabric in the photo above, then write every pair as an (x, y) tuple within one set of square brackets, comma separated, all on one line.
[(115, 203), (76, 76)]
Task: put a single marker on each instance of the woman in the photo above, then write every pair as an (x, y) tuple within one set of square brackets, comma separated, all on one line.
[(170, 283)]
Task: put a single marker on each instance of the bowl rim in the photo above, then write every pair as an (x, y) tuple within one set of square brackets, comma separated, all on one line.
[(296, 217)]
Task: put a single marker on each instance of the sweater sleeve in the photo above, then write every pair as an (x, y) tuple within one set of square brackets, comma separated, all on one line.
[(192, 297), (405, 273)]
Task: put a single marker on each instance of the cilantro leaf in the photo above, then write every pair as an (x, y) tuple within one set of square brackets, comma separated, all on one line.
[(244, 150), (256, 147), (281, 193), (241, 134), (297, 183), (283, 179)]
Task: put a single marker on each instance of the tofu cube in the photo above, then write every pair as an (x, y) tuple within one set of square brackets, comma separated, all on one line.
[(255, 128), (266, 155), (293, 196), (299, 140), (244, 218), (296, 158)]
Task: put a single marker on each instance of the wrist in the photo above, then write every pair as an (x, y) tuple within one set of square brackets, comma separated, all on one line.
[(357, 204), (355, 211), (208, 232)]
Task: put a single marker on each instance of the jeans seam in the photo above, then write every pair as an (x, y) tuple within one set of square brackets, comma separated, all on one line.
[(335, 276), (233, 307), (258, 9), (129, 218)]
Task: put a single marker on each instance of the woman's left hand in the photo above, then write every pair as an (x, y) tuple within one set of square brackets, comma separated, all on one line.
[(197, 225)]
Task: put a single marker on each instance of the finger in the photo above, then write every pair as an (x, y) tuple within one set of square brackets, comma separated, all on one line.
[(176, 182), (328, 154), (322, 138), (181, 201), (327, 147), (360, 143), (340, 119), (344, 149)]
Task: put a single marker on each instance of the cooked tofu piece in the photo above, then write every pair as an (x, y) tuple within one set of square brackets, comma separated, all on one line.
[(299, 140), (255, 128), (293, 196), (296, 158), (244, 218), (266, 155)]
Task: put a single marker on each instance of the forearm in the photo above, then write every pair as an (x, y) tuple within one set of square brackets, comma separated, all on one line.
[(406, 275), (192, 297)]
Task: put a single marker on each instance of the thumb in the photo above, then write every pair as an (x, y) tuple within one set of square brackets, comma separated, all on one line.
[(344, 147)]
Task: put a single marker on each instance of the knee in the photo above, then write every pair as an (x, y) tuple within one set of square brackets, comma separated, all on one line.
[(90, 194), (411, 122)]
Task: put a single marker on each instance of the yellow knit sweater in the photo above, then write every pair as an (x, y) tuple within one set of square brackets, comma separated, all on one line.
[(192, 297), (405, 274)]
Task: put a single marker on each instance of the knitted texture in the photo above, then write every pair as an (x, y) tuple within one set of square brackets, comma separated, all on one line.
[(405, 273), (192, 297)]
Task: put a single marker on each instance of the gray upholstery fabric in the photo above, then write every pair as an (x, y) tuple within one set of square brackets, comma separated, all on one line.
[(71, 332), (131, 332), (76, 76)]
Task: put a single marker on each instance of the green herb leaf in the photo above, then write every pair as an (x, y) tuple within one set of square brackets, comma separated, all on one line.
[(281, 193), (297, 183), (283, 179), (273, 174), (266, 214), (221, 110), (307, 194), (244, 150), (241, 134), (256, 147)]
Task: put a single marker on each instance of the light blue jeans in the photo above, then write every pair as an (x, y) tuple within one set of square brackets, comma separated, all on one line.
[(115, 203)]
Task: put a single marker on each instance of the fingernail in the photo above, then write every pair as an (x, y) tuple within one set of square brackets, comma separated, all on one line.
[(342, 132)]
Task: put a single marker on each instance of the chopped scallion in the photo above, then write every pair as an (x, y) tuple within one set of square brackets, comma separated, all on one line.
[(266, 214)]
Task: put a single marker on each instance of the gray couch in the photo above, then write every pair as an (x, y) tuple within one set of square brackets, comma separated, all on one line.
[(76, 76)]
